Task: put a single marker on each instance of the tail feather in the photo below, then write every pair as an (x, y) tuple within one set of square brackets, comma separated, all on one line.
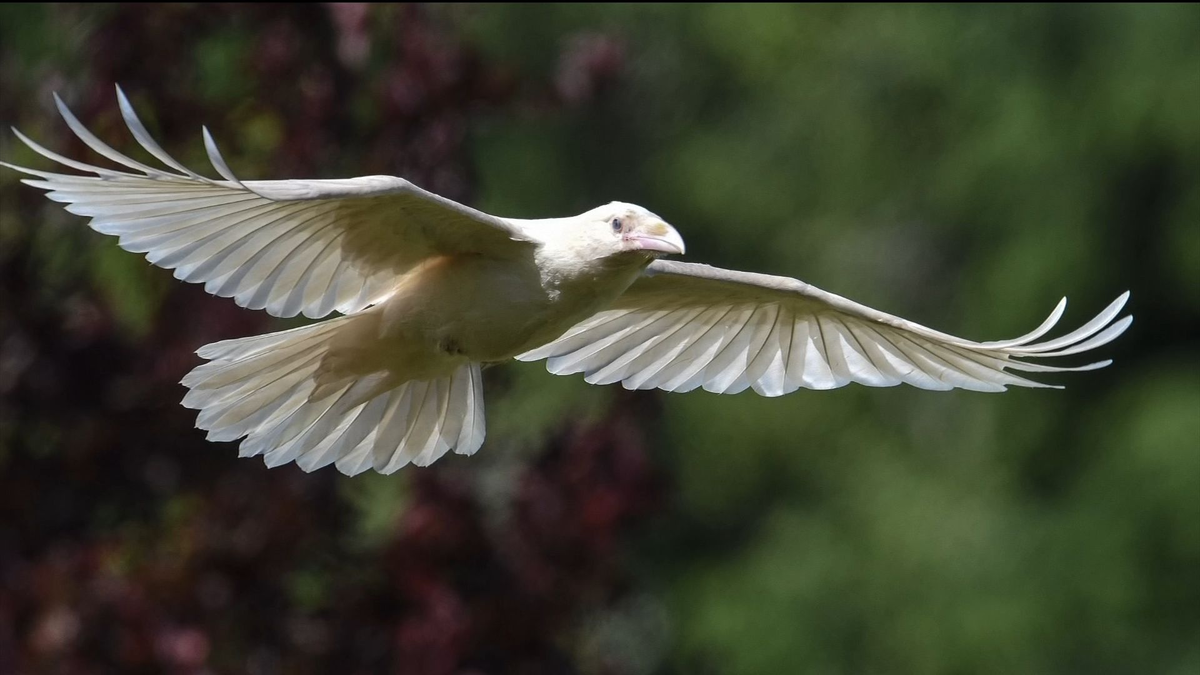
[(265, 389), (248, 346), (232, 417)]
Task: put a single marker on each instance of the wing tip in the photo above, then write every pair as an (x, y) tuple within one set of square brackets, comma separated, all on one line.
[(33, 145), (218, 161), (21, 169), (63, 110)]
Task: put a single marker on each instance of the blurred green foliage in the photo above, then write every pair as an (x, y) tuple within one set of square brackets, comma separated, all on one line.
[(961, 166)]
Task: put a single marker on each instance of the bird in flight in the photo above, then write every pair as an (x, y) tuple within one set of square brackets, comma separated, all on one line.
[(430, 291)]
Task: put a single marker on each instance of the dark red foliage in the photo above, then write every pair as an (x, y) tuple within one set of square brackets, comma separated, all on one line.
[(130, 544)]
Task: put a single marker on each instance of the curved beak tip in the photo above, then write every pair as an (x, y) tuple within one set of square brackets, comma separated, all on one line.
[(661, 238)]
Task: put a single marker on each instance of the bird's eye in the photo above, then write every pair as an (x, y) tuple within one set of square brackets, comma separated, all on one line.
[(616, 224)]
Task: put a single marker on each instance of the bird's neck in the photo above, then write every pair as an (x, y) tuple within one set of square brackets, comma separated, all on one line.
[(571, 275)]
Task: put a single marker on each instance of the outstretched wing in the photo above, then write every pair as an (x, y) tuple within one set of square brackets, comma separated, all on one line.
[(684, 325), (288, 246)]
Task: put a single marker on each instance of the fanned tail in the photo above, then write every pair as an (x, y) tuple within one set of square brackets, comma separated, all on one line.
[(272, 390)]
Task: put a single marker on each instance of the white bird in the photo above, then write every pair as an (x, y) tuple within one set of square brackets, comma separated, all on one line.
[(431, 290)]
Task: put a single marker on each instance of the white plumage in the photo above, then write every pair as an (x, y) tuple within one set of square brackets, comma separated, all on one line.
[(683, 326), (431, 290)]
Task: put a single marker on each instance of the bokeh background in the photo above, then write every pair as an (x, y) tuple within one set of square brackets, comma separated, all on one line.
[(961, 166)]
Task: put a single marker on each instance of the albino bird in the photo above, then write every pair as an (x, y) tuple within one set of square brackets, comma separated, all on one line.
[(431, 291)]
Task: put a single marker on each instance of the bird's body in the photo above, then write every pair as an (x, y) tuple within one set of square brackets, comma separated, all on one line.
[(431, 291), (453, 309), (415, 355)]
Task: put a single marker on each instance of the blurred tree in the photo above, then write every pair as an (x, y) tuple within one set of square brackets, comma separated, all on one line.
[(958, 165)]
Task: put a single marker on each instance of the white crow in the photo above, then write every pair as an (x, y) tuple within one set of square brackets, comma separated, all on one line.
[(431, 290)]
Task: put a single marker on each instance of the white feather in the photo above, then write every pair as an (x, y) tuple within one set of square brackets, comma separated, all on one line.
[(233, 235), (776, 334), (264, 389)]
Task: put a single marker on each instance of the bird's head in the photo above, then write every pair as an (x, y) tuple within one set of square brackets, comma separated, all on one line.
[(628, 229)]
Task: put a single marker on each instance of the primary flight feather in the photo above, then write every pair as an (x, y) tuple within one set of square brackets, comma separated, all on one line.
[(431, 290)]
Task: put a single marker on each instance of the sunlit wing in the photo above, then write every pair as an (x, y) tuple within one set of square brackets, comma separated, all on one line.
[(684, 325), (287, 246)]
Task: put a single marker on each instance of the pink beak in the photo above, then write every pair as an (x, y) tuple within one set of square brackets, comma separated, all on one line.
[(659, 237)]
